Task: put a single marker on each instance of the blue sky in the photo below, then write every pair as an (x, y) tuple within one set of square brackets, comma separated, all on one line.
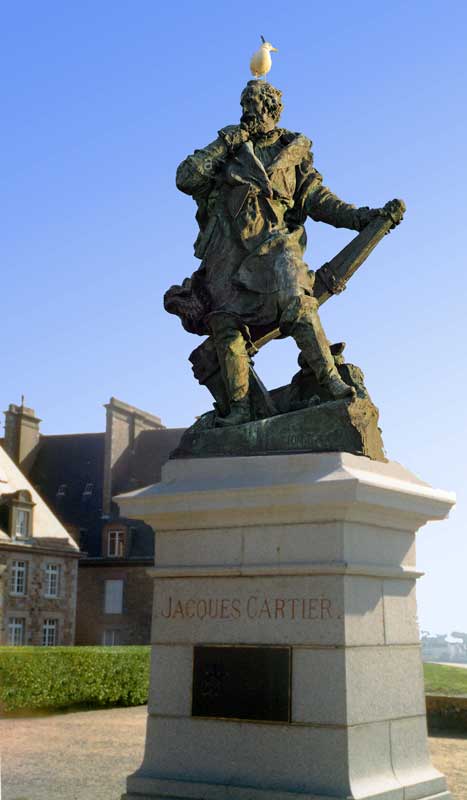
[(102, 100)]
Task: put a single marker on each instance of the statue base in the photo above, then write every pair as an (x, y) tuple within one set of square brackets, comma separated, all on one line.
[(335, 426), (286, 658)]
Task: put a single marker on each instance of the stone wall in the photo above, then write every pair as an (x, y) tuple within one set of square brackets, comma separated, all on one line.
[(33, 606), (133, 625)]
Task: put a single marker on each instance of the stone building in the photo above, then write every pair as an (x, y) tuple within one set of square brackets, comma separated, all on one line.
[(38, 566), (78, 474)]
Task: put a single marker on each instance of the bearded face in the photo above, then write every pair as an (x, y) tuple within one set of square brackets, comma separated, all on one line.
[(256, 117)]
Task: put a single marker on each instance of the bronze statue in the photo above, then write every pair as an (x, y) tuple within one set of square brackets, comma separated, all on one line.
[(255, 186)]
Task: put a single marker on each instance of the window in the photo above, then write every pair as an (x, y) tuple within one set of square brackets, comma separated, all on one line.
[(111, 638), (20, 507), (83, 540), (50, 632), (113, 603), (16, 630), (18, 577), (52, 580), (22, 523), (116, 544)]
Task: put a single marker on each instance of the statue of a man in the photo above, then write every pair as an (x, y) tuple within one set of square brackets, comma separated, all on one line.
[(255, 185)]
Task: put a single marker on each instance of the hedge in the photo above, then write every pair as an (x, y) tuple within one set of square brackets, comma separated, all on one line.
[(59, 677), (444, 712)]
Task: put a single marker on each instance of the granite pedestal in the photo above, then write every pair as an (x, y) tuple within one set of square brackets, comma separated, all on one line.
[(311, 559)]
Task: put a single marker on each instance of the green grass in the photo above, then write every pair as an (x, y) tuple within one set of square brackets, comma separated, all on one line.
[(445, 680)]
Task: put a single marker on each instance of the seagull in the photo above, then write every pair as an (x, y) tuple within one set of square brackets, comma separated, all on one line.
[(261, 61)]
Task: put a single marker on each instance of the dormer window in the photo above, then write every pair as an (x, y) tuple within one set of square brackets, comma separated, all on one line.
[(21, 511), (88, 490), (116, 544), (23, 523), (61, 491)]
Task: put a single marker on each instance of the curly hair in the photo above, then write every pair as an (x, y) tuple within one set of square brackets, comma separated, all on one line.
[(270, 96)]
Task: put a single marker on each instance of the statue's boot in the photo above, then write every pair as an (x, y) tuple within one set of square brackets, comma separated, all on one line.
[(301, 321), (239, 413), (235, 366)]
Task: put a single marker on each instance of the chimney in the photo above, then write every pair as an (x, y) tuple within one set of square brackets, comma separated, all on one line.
[(21, 435), (123, 425)]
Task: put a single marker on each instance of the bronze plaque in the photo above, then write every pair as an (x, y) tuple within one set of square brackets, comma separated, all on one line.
[(242, 683)]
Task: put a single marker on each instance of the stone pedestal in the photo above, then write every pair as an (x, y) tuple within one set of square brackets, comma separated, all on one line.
[(311, 554)]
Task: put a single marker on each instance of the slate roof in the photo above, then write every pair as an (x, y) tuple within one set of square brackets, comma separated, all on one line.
[(68, 471), (64, 466)]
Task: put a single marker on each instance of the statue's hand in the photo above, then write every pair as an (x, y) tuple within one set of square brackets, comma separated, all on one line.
[(235, 137), (366, 215), (393, 210)]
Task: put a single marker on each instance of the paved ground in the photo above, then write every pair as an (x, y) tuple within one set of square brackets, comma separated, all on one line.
[(87, 755)]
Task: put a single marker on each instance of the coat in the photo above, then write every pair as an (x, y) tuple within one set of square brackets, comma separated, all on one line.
[(253, 200)]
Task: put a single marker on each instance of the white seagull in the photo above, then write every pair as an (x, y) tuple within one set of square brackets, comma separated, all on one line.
[(261, 61)]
